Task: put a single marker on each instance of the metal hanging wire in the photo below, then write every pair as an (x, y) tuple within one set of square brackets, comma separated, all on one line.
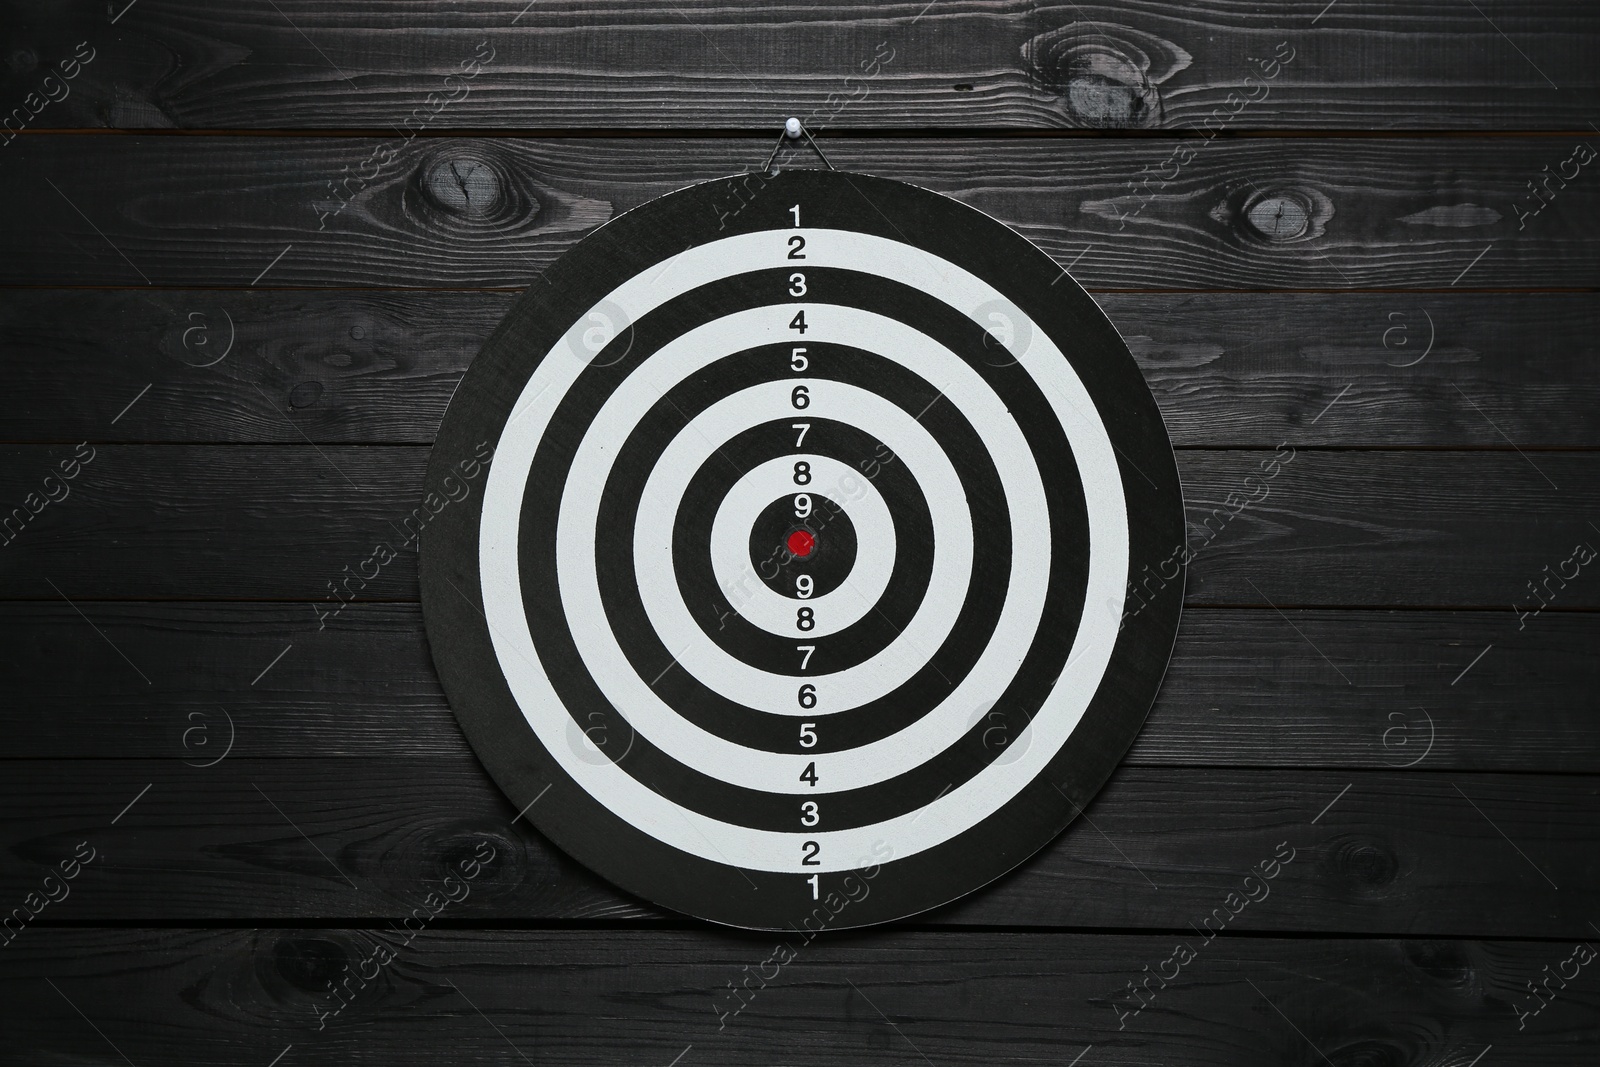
[(793, 130)]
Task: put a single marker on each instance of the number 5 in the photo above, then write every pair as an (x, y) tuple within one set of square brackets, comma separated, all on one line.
[(808, 735)]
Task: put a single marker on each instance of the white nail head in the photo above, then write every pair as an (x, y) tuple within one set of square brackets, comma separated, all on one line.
[(792, 128)]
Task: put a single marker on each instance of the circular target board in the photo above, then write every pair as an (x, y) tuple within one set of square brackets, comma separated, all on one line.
[(828, 559)]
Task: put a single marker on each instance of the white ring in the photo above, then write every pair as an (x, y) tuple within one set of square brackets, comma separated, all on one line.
[(658, 722), (739, 576), (956, 810), (708, 662)]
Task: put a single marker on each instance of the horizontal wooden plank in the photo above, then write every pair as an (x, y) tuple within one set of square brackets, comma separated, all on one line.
[(1245, 687), (966, 63), (956, 998), (1127, 213), (1327, 528), (250, 839), (1227, 369)]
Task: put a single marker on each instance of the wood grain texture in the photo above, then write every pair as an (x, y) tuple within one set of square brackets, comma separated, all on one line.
[(977, 63), (370, 367), (501, 996), (250, 839), (1360, 676), (1333, 528), (453, 212), (1245, 687)]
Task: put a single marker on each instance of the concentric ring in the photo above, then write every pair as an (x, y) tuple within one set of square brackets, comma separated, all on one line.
[(871, 562), (702, 658), (965, 387)]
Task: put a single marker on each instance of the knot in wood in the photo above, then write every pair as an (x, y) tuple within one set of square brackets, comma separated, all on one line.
[(1365, 864), (1449, 963), (475, 859), (22, 60), (1106, 90), (305, 394), (464, 185), (1107, 75), (1280, 216), (309, 964), (1376, 1052)]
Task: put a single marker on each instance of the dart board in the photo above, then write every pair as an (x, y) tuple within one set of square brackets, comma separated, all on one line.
[(813, 555)]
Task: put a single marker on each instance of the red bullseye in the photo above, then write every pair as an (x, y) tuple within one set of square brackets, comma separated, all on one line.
[(801, 542)]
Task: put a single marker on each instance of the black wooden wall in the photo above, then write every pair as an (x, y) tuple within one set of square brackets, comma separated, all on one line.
[(250, 247)]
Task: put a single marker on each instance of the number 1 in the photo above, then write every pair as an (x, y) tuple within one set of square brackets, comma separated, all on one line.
[(796, 212)]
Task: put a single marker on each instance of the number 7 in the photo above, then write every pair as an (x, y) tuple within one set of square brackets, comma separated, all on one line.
[(807, 649), (802, 427)]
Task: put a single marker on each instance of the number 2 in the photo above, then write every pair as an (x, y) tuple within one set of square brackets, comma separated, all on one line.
[(809, 857)]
